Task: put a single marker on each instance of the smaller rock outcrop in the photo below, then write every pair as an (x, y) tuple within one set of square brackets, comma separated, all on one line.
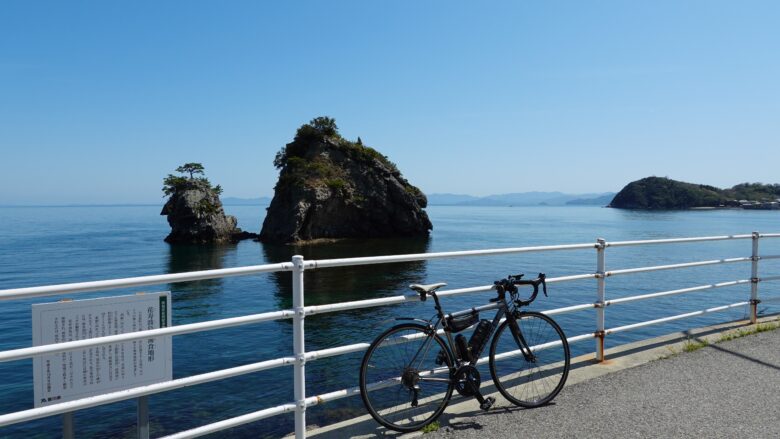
[(195, 211)]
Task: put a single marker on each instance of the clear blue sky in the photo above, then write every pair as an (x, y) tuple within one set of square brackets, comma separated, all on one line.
[(100, 100)]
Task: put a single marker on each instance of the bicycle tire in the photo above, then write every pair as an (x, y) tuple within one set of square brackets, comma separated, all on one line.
[(386, 359), (536, 382)]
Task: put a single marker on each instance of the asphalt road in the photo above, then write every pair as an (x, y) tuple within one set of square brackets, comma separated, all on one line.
[(724, 390)]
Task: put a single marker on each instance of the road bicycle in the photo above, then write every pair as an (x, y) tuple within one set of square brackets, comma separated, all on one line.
[(409, 372)]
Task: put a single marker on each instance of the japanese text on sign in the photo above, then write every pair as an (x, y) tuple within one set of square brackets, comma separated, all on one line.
[(93, 371)]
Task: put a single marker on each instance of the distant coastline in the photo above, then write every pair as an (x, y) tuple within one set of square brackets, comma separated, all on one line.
[(522, 199)]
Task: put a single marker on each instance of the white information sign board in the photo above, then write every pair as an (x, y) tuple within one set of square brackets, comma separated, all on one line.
[(93, 371)]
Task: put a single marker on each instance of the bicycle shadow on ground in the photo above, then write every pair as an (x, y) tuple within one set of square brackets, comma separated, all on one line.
[(477, 420)]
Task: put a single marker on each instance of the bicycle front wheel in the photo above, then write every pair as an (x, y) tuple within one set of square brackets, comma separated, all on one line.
[(405, 377), (529, 379)]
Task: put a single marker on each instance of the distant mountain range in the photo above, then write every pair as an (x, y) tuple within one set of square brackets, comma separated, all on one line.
[(602, 200), (523, 199)]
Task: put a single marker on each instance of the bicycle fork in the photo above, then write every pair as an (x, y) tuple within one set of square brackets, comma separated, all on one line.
[(520, 340)]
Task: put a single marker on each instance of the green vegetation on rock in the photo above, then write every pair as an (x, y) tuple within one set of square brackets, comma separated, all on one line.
[(178, 183), (300, 163), (191, 168), (324, 129), (753, 192), (665, 193)]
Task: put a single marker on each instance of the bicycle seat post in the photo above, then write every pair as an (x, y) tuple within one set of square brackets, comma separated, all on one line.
[(426, 290), (437, 304)]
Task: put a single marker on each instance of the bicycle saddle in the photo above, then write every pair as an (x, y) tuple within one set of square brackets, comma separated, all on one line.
[(427, 289), (424, 290)]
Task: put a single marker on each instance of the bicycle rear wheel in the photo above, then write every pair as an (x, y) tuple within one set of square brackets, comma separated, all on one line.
[(530, 381), (401, 384)]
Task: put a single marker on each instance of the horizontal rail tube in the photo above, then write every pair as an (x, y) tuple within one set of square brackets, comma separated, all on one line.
[(672, 318), (674, 266), (112, 284), (762, 258), (18, 354), (567, 309), (674, 292), (461, 291), (579, 338), (108, 398), (769, 235), (332, 396), (384, 301), (553, 280), (677, 240), (232, 422), (328, 263), (768, 278), (357, 304)]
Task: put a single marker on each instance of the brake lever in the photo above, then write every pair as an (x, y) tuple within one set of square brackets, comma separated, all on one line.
[(544, 283)]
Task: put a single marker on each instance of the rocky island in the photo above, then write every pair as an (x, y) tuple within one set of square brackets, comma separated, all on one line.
[(332, 188), (195, 211), (656, 193)]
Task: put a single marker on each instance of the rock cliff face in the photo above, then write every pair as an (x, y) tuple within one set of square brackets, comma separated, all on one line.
[(196, 216), (331, 188)]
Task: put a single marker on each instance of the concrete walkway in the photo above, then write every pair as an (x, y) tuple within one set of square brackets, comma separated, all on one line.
[(645, 389)]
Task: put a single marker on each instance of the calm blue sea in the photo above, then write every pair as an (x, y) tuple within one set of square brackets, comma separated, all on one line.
[(52, 245)]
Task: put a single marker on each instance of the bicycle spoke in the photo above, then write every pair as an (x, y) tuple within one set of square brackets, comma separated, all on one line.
[(536, 380), (406, 355)]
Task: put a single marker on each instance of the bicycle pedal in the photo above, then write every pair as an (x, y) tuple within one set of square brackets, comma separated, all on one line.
[(487, 403)]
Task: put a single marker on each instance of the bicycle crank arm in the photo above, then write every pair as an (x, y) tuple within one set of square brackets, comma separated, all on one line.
[(484, 403)]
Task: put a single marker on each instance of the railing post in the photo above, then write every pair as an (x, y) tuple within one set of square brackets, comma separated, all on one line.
[(68, 430), (601, 247), (299, 348), (754, 280), (143, 417)]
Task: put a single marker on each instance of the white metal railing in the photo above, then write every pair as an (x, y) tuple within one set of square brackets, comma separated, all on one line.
[(299, 311)]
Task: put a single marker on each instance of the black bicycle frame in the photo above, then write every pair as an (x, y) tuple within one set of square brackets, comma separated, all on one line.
[(499, 304)]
